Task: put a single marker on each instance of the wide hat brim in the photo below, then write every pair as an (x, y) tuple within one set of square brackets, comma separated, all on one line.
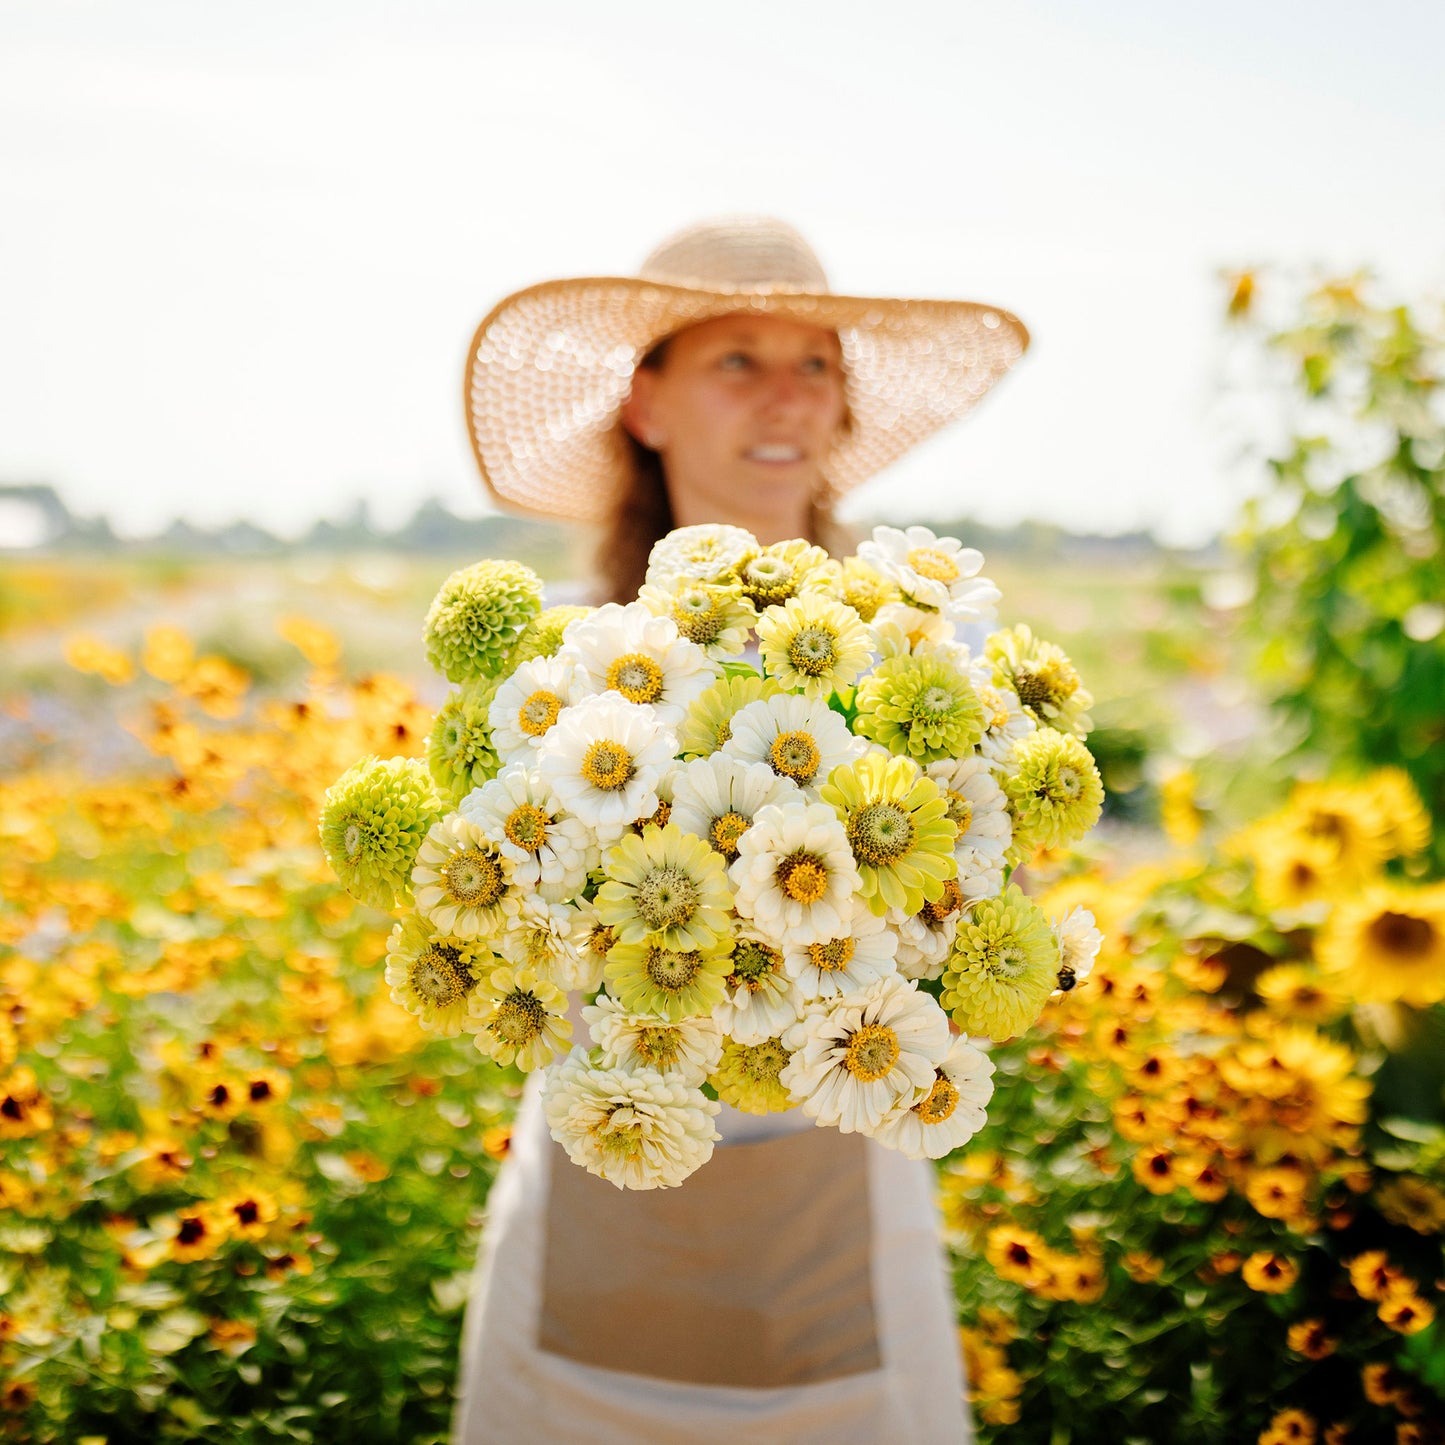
[(551, 365)]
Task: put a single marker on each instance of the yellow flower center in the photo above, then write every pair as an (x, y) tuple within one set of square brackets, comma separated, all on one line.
[(931, 563), (697, 615), (832, 956), (880, 833), (473, 878), (753, 963), (518, 1018), (795, 755), (607, 765), (725, 832), (763, 1062), (438, 976), (872, 1052), (1402, 934), (813, 650), (667, 897), (942, 1100), (526, 827), (636, 677), (1049, 682), (670, 970), (538, 713), (659, 1046), (601, 939), (803, 878), (950, 901), (960, 811)]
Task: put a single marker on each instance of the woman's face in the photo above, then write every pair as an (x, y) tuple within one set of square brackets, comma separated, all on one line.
[(743, 411)]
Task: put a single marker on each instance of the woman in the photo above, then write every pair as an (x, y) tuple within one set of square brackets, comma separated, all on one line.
[(792, 1289)]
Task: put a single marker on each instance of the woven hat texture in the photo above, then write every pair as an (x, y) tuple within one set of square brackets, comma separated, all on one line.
[(551, 365)]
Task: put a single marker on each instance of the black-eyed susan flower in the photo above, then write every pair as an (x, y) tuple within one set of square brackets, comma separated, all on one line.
[(1311, 1339), (1269, 1272), (477, 615), (1387, 945), (748, 1077), (373, 820), (1004, 965), (896, 820), (1290, 1427)]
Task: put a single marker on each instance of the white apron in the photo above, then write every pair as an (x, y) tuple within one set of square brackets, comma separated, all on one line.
[(792, 1290)]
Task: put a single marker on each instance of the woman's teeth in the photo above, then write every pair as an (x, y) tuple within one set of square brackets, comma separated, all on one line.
[(775, 453)]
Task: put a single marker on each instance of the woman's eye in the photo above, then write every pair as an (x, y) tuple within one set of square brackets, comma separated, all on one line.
[(735, 361), (815, 366)]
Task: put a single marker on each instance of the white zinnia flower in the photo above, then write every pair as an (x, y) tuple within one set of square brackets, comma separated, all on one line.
[(542, 938), (549, 850), (1005, 720), (953, 1110), (528, 703), (933, 571), (636, 1128), (706, 553), (861, 954), (604, 759), (462, 883), (795, 875), (762, 997), (1079, 945), (926, 938), (717, 797), (856, 1058), (689, 1049), (800, 738), (978, 808), (591, 938), (642, 657)]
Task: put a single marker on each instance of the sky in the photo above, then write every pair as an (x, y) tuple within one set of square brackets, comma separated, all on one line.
[(243, 248)]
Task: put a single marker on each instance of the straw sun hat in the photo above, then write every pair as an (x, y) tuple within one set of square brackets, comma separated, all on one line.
[(550, 367)]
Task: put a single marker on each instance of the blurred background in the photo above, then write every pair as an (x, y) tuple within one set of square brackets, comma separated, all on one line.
[(242, 253)]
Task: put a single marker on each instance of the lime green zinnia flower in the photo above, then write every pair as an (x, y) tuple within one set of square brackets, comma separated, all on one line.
[(922, 706), (1045, 680), (897, 825), (747, 1077), (520, 1018), (477, 616), (459, 751), (1053, 789), (373, 820), (773, 574), (1003, 966), (865, 589), (668, 887), (813, 645), (650, 978), (708, 722), (542, 636)]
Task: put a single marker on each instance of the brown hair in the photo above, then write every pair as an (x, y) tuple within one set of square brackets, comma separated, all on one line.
[(642, 513)]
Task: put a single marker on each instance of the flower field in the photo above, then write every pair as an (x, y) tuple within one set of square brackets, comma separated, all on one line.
[(240, 1190)]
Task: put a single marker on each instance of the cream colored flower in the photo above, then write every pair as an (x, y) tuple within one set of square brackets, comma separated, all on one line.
[(635, 1128), (528, 703), (716, 798), (952, 1111), (462, 883), (706, 553), (978, 808), (520, 1018), (859, 955), (814, 645), (762, 997), (549, 850), (1079, 944), (855, 1059), (794, 878), (932, 571), (542, 938), (688, 1048), (799, 738)]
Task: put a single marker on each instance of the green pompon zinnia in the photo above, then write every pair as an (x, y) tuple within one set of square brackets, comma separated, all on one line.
[(478, 615), (459, 751), (1002, 967), (921, 706), (1053, 789), (898, 827), (373, 820)]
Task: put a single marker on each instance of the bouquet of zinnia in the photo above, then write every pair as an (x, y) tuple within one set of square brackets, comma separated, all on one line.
[(763, 818)]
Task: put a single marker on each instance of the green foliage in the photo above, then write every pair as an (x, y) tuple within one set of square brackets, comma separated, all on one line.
[(1347, 547)]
